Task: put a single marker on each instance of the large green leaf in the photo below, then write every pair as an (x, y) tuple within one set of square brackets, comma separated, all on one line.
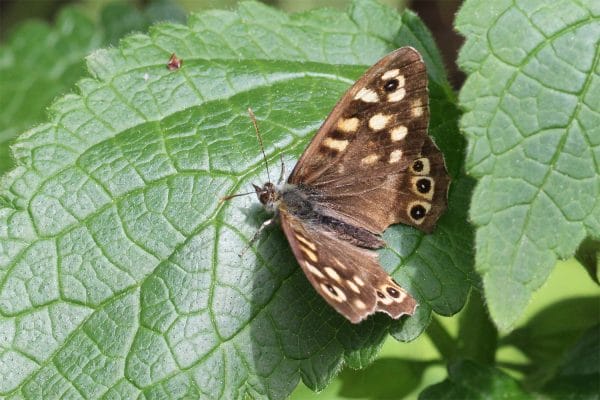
[(119, 267), (532, 120)]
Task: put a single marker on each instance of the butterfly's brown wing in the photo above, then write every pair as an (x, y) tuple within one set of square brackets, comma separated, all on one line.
[(372, 159), (348, 277)]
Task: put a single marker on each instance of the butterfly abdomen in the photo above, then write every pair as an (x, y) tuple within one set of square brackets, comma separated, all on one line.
[(302, 202), (356, 235)]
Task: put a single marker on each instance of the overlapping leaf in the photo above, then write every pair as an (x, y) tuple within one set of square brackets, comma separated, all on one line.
[(533, 127)]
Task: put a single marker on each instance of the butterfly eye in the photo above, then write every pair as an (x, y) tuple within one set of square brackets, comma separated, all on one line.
[(391, 85)]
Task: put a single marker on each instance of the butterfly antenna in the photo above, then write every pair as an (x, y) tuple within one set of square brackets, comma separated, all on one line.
[(231, 196), (260, 142), (282, 172)]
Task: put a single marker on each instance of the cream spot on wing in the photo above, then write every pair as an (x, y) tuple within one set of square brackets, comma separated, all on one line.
[(385, 300), (348, 125), (360, 304), (417, 108), (332, 273), (339, 264), (313, 270), (306, 242), (353, 286), (309, 253), (395, 156), (384, 297), (396, 293), (334, 144), (400, 91), (398, 133), (334, 292), (367, 95), (396, 95), (359, 281), (370, 159), (392, 73), (378, 121)]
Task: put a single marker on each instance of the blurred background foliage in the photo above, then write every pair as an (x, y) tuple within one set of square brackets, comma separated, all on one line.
[(531, 352), (437, 15), (108, 21)]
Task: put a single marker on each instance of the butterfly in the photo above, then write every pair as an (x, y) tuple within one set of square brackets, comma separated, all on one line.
[(370, 165)]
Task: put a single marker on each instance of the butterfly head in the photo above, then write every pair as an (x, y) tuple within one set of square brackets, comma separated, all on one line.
[(268, 195)]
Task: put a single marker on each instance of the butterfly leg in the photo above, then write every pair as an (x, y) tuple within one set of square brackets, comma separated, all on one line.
[(260, 230), (282, 173)]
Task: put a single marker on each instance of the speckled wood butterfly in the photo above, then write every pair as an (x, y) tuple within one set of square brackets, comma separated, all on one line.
[(370, 165)]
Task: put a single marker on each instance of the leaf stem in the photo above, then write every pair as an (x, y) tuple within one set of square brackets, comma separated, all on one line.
[(477, 335), (441, 339)]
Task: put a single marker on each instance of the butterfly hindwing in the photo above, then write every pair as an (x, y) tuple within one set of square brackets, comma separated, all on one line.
[(372, 159), (348, 277)]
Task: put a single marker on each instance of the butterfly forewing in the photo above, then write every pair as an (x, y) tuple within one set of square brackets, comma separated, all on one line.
[(348, 277), (372, 160)]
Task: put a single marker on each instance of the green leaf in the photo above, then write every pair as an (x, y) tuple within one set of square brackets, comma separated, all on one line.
[(400, 371), (533, 128), (39, 62), (579, 374), (550, 332), (386, 378), (588, 254), (119, 267), (469, 380)]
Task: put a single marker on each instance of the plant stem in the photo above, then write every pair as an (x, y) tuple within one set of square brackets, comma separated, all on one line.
[(477, 335), (441, 339)]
